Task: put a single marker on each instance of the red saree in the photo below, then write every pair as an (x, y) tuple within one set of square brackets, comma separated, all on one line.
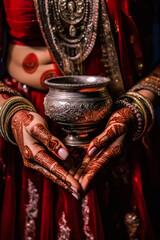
[(35, 208)]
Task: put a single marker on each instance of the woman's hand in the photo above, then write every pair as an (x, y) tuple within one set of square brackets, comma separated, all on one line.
[(42, 151), (111, 144)]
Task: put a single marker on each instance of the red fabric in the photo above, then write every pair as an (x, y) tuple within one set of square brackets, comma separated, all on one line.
[(125, 29), (1, 26), (22, 22), (54, 201)]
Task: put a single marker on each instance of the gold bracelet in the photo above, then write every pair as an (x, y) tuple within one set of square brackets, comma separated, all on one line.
[(8, 109), (148, 105), (133, 100), (7, 123)]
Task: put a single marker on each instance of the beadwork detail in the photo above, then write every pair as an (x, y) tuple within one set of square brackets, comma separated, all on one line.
[(31, 211), (132, 223), (69, 29), (85, 213), (64, 230), (110, 58)]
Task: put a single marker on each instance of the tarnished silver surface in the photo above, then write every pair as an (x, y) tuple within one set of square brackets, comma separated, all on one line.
[(79, 104)]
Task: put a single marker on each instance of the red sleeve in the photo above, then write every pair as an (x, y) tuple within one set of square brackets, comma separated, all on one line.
[(1, 27)]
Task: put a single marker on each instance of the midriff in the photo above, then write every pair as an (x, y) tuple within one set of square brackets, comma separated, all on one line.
[(31, 65)]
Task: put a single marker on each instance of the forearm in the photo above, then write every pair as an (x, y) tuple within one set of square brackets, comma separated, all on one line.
[(150, 86)]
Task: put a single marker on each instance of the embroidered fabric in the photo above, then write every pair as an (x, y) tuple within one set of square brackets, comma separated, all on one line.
[(31, 212), (64, 230), (85, 212)]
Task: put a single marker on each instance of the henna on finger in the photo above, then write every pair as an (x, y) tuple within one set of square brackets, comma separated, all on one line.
[(41, 133), (54, 178), (98, 164), (116, 126), (44, 161), (79, 172)]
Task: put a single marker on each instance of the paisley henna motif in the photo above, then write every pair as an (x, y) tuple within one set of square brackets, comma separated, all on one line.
[(30, 63)]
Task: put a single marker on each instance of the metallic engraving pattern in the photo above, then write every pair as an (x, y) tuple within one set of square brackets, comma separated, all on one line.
[(31, 211), (85, 212), (64, 230), (83, 108), (78, 112)]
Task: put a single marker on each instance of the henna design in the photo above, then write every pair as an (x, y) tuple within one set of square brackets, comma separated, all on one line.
[(30, 63), (46, 75), (99, 162), (41, 161), (40, 132), (116, 126), (45, 160), (27, 153)]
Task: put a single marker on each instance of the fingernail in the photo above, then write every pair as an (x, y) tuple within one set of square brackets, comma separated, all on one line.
[(75, 195), (74, 189), (63, 153), (92, 152)]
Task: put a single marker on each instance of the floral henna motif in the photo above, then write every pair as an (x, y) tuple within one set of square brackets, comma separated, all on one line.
[(30, 63)]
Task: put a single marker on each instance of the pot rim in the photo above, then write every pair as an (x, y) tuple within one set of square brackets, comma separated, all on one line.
[(77, 82)]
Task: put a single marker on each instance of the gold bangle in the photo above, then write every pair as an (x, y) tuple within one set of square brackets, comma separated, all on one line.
[(8, 109), (143, 112), (6, 129), (149, 106)]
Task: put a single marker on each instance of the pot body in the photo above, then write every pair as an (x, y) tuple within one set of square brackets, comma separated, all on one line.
[(79, 108)]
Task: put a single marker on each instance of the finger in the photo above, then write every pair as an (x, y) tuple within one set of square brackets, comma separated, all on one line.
[(53, 144), (100, 162), (38, 154), (54, 178), (75, 160), (50, 164), (80, 170), (113, 131)]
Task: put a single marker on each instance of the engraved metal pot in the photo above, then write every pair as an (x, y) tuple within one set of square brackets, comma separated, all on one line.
[(79, 104)]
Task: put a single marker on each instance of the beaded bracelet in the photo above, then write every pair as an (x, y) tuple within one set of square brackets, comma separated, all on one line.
[(139, 103), (149, 108), (7, 90), (137, 113)]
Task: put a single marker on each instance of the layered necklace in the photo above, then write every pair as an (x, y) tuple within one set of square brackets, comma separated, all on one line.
[(69, 28)]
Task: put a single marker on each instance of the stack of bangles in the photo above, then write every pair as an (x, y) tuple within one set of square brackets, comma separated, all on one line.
[(143, 110), (9, 108)]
